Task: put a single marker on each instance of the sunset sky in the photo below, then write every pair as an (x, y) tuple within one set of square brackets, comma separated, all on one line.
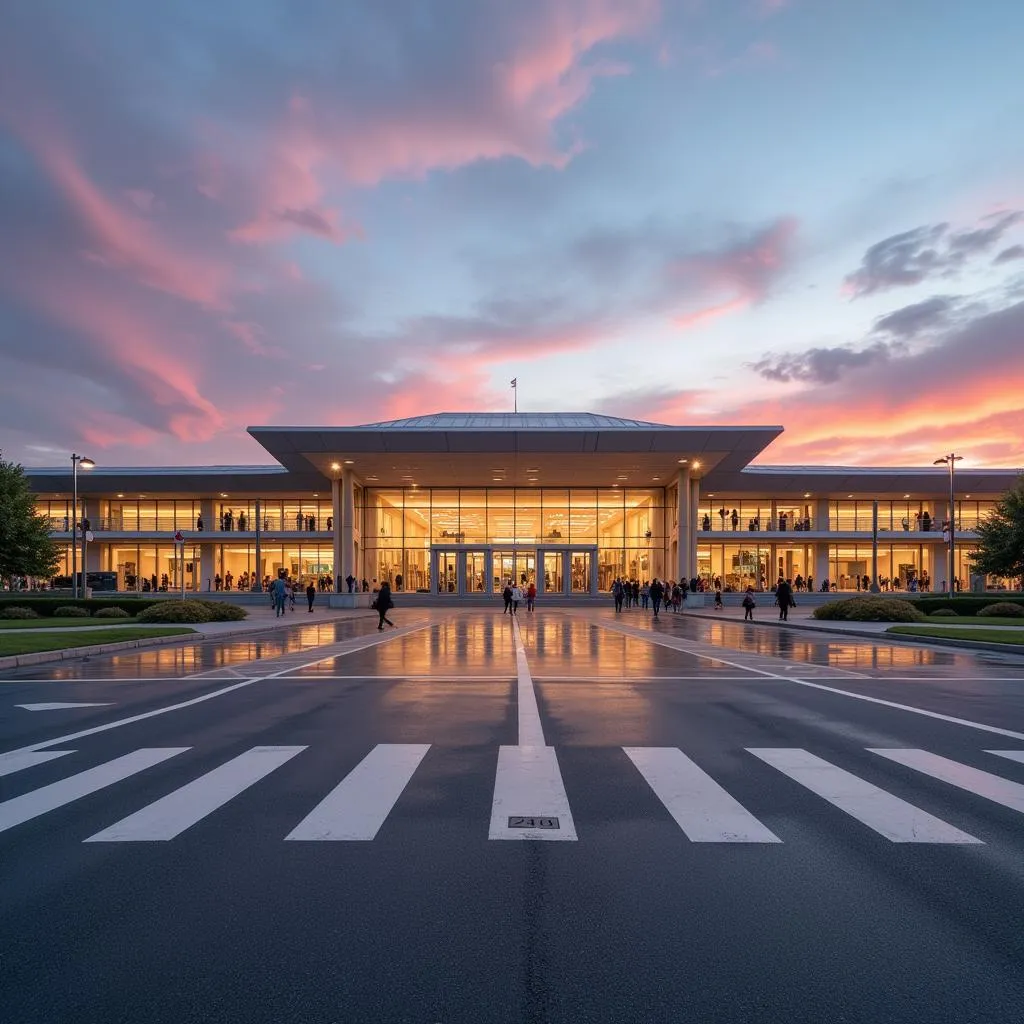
[(222, 213)]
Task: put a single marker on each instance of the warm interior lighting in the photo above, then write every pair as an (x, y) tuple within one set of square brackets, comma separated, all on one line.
[(120, 495), (696, 465), (335, 466), (683, 461), (350, 462), (807, 495)]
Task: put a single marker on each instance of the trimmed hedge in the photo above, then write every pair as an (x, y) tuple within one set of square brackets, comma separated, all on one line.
[(943, 613), (15, 611), (46, 606), (191, 611), (113, 612), (869, 609), (970, 604), (71, 611), (1003, 609)]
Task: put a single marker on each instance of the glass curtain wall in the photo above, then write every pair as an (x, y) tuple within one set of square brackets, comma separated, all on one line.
[(725, 515), (911, 567), (400, 526), (279, 515), (235, 565), (150, 567)]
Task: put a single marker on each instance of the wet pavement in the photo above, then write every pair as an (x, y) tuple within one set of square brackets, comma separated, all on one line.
[(313, 824)]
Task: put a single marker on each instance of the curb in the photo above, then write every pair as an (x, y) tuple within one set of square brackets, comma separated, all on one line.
[(74, 653), (970, 645)]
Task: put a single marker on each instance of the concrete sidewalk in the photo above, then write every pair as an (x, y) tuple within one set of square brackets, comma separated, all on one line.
[(802, 619), (259, 621)]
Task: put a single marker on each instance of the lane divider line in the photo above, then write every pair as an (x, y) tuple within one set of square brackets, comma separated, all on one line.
[(531, 732)]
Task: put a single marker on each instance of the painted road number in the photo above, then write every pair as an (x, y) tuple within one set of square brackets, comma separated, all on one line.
[(533, 822)]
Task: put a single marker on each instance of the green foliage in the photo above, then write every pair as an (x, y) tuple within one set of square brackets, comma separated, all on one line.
[(15, 611), (1003, 609), (71, 611), (944, 613), (1001, 536), (48, 605), (112, 612), (25, 545), (966, 605), (222, 611), (176, 611), (869, 609)]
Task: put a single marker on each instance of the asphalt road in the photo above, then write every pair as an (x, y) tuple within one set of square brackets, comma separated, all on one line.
[(582, 818)]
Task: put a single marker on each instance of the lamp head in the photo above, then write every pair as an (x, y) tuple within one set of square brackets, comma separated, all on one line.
[(86, 463)]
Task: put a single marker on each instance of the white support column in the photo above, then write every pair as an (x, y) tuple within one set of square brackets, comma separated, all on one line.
[(684, 526), (594, 578), (821, 559), (541, 553), (339, 576), (348, 522), (694, 507), (489, 571)]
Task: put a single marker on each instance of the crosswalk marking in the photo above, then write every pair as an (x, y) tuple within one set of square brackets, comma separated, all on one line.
[(886, 814), (700, 806), (30, 805), (1013, 755), (18, 760), (528, 784), (974, 780), (357, 807), (171, 815)]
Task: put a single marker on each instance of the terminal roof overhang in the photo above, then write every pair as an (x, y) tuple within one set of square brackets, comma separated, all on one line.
[(511, 449)]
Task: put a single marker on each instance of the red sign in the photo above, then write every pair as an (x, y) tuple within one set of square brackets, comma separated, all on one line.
[(179, 536)]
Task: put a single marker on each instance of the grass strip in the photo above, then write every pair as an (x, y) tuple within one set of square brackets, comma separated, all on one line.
[(31, 643), (54, 623), (989, 636)]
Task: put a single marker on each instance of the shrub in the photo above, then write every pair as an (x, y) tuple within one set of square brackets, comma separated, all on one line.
[(17, 612), (71, 611), (970, 604), (175, 611), (48, 605), (941, 613), (1003, 609), (112, 612), (869, 609), (223, 611)]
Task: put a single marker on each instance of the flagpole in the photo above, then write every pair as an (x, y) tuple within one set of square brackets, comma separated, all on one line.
[(515, 394)]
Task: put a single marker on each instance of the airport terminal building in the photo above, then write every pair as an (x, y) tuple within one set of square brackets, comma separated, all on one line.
[(454, 504)]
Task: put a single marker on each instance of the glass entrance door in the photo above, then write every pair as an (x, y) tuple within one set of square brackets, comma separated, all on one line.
[(447, 572), (579, 571), (554, 583), (518, 566), (476, 581)]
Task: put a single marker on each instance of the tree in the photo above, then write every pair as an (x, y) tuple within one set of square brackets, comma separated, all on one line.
[(25, 545), (1001, 536)]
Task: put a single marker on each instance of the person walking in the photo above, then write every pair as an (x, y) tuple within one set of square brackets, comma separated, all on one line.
[(531, 596), (310, 595), (645, 595), (277, 595), (517, 596), (718, 600), (749, 604), (291, 594), (383, 604), (657, 593), (784, 598), (618, 592), (506, 596)]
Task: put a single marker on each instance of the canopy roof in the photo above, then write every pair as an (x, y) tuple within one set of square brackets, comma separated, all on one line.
[(550, 449)]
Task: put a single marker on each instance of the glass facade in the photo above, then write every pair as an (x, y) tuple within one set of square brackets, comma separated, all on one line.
[(620, 531), (755, 514)]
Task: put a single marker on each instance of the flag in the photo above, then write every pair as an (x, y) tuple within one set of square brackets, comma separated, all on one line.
[(513, 382)]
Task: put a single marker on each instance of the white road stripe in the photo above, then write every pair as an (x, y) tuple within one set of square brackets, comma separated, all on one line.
[(700, 806), (39, 801), (1012, 755), (171, 815), (531, 732), (18, 760), (974, 780), (62, 705), (528, 784), (357, 807), (888, 815)]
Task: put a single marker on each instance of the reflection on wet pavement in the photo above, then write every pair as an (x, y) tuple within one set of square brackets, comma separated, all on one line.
[(174, 662)]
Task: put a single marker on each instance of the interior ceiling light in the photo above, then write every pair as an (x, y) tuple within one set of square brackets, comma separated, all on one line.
[(120, 495), (335, 466), (350, 462), (683, 461), (696, 465), (808, 494), (906, 495)]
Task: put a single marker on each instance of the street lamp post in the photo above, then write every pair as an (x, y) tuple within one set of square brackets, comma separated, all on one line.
[(86, 464), (951, 460)]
